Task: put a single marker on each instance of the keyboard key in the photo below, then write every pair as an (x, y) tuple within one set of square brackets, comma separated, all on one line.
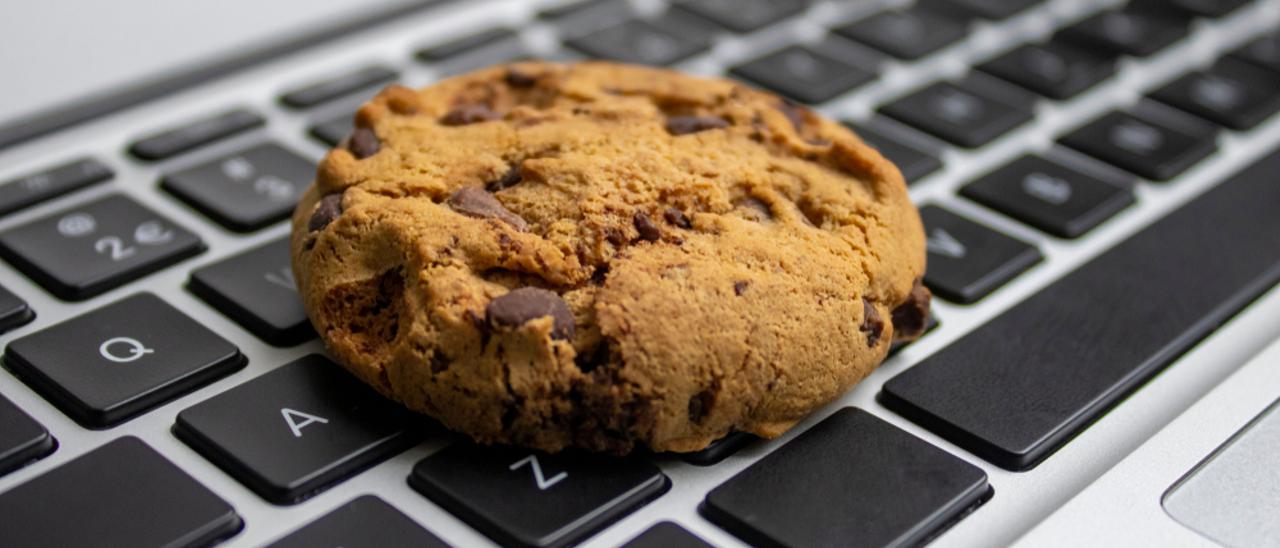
[(256, 289), (641, 42), (1050, 195), (913, 162), (245, 190), (803, 74), (1263, 52), (333, 131), (906, 34), (365, 521), (91, 248), (337, 86), (531, 499), (1232, 93), (1136, 32), (852, 479), (1202, 8), (1055, 69), (53, 182), (960, 113), (297, 430), (967, 261), (666, 534), (121, 494), (465, 45), (14, 311), (577, 18), (719, 450), (995, 10), (199, 133), (743, 15), (1145, 145), (22, 439), (1020, 386), (114, 363)]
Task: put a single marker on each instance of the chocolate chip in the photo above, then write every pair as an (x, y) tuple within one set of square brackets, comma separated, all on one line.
[(793, 112), (517, 79), (681, 125), (740, 287), (601, 272), (676, 217), (649, 231), (530, 303), (872, 325), (755, 209), (329, 208), (468, 114), (509, 179), (700, 405), (912, 317), (614, 236), (475, 202), (363, 143)]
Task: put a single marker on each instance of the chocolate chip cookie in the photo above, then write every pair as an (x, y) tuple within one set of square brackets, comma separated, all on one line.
[(606, 256)]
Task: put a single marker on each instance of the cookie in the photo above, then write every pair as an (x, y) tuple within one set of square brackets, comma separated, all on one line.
[(607, 257)]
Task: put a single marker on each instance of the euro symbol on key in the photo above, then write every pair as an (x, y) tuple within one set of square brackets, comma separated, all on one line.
[(134, 348)]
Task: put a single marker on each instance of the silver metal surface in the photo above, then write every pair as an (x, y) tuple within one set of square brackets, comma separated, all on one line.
[(1021, 499)]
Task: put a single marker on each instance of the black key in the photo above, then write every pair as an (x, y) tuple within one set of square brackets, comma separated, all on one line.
[(464, 45), (641, 42), (743, 15), (256, 289), (91, 248), (967, 261), (995, 10), (297, 430), (804, 74), (1054, 69), (1145, 145), (719, 450), (53, 182), (365, 521), (337, 86), (14, 311), (1263, 52), (666, 534), (913, 162), (199, 133), (852, 479), (333, 131), (22, 439), (1137, 32), (114, 363), (1050, 195), (906, 34), (517, 497), (121, 494), (245, 190), (1201, 8), (1232, 93), (1017, 388), (960, 113), (575, 18)]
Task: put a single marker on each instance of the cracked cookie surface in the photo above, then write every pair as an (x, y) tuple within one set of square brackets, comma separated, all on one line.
[(606, 256)]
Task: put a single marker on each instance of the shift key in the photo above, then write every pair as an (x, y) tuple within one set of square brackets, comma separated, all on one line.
[(1018, 388)]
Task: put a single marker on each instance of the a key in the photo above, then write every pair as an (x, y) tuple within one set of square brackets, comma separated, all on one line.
[(518, 497), (114, 363), (1201, 8), (967, 261), (906, 34), (1263, 52), (577, 18), (1151, 146), (719, 450), (365, 521), (1050, 195), (247, 189), (337, 86), (22, 439), (994, 10), (256, 289), (961, 113), (14, 311), (852, 479), (803, 74), (1018, 387), (333, 131), (1232, 93), (743, 15), (666, 534), (53, 182), (465, 45), (121, 494), (913, 162), (1054, 69), (195, 134), (297, 430), (641, 42), (91, 248), (1136, 32)]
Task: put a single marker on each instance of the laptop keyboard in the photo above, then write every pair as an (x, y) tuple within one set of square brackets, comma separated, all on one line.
[(1003, 116)]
